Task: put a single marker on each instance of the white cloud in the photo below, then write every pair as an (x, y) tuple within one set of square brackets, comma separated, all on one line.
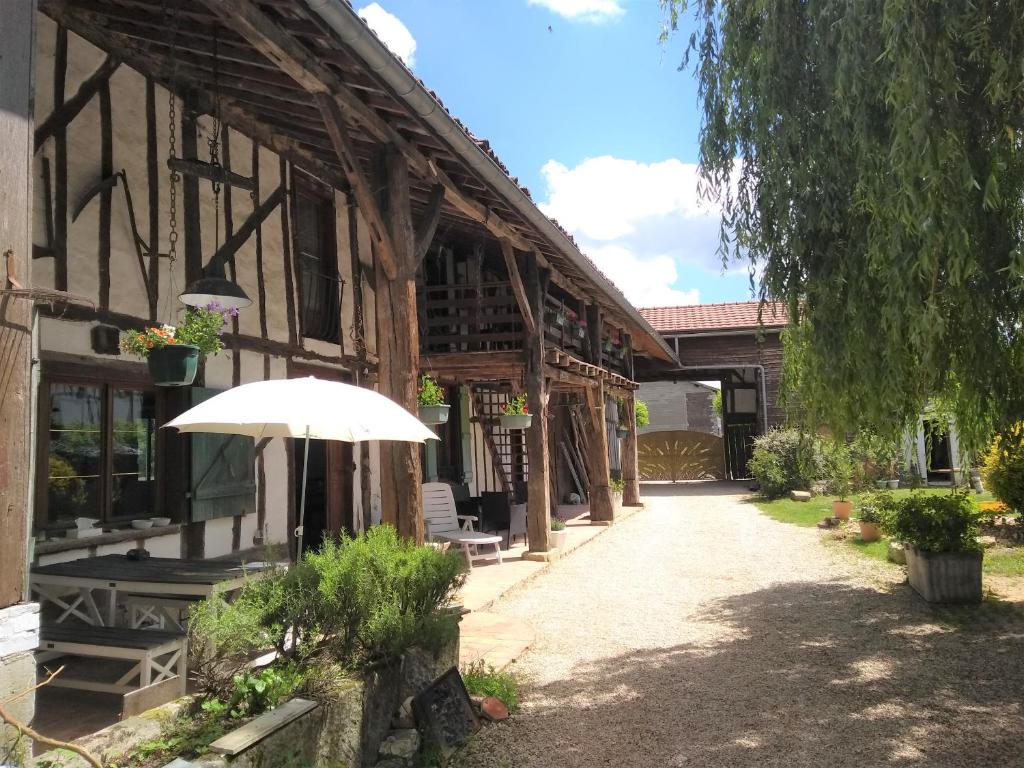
[(392, 32), (593, 11), (644, 224)]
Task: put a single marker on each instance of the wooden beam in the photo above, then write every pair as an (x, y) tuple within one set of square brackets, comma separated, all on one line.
[(68, 111), (538, 510), (238, 238), (210, 173), (428, 224), (601, 508), (519, 291), (368, 206), (630, 464), (17, 36)]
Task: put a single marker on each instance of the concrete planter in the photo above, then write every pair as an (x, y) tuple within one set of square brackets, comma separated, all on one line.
[(945, 577), (519, 421), (558, 539), (892, 485), (616, 503)]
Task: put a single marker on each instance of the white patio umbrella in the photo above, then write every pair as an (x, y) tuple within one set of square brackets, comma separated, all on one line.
[(304, 408)]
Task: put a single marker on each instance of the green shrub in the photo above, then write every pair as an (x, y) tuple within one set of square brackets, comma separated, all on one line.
[(616, 484), (935, 523), (876, 508), (353, 603), (1003, 468), (784, 460), (643, 416), (485, 680), (838, 466), (557, 524)]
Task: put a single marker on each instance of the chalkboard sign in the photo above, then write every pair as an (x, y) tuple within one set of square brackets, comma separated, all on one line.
[(444, 713)]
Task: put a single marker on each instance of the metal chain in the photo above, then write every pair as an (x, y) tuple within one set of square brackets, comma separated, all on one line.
[(172, 155)]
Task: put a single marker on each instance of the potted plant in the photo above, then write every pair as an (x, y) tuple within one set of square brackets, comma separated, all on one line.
[(559, 535), (616, 486), (558, 317), (581, 329), (173, 352), (839, 467), (939, 534), (516, 415), (432, 407), (871, 516)]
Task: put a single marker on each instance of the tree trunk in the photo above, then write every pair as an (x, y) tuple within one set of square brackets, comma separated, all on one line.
[(398, 350)]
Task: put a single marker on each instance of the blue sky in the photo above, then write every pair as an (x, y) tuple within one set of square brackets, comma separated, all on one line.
[(585, 106)]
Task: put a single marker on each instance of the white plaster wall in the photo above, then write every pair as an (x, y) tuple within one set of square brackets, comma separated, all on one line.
[(218, 536), (164, 546)]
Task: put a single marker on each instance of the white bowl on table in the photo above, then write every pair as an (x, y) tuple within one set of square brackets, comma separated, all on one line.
[(142, 524), (160, 522)]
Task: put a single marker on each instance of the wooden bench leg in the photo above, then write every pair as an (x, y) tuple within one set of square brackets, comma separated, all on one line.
[(469, 555), (497, 550)]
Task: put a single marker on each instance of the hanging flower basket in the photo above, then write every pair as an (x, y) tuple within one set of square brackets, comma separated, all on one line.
[(174, 365), (581, 330), (558, 318), (621, 432), (518, 421), (173, 353), (434, 414), (516, 415)]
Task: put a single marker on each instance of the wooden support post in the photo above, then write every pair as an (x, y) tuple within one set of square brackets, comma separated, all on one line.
[(601, 509), (538, 509), (630, 470), (17, 23), (398, 347), (594, 332)]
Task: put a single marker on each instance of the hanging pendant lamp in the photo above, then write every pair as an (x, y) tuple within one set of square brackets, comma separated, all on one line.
[(214, 288)]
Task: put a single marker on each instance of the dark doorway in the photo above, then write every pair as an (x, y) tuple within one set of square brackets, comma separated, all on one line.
[(940, 454), (329, 507), (449, 447)]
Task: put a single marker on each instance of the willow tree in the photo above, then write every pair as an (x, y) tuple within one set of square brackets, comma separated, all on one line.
[(868, 159)]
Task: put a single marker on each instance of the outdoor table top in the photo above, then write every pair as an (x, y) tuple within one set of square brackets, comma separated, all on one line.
[(153, 570)]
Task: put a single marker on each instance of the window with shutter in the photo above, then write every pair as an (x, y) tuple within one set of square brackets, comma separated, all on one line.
[(223, 471)]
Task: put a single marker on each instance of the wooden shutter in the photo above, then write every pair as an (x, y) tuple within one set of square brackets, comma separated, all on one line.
[(223, 471)]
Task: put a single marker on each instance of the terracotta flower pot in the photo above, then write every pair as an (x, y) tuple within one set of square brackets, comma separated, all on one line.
[(174, 365), (841, 509), (870, 531)]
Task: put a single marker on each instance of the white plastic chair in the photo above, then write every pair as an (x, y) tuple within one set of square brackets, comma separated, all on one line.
[(443, 523)]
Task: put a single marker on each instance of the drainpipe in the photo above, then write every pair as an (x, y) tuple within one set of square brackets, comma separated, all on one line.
[(353, 31)]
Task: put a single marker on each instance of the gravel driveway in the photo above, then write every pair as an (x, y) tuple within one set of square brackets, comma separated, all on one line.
[(700, 633)]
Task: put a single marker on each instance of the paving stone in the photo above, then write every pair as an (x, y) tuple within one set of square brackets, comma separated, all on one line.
[(800, 495)]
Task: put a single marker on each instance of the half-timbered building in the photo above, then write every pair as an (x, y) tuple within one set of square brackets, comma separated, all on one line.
[(276, 146)]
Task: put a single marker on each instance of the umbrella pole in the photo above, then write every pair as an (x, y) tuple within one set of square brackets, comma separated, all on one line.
[(302, 500)]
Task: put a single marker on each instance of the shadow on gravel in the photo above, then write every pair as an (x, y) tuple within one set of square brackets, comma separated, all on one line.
[(806, 675)]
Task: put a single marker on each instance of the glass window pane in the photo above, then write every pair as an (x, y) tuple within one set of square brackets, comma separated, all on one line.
[(74, 486), (133, 491)]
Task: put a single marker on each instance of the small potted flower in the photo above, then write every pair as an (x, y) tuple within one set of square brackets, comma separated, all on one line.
[(871, 516), (609, 345), (559, 535), (581, 329), (173, 352), (558, 317), (516, 415), (432, 407)]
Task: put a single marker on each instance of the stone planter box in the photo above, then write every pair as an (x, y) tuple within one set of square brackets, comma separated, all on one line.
[(945, 577)]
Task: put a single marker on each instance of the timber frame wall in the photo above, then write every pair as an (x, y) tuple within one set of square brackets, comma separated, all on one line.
[(294, 92)]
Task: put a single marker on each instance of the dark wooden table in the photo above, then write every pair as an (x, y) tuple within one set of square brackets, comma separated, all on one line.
[(116, 573)]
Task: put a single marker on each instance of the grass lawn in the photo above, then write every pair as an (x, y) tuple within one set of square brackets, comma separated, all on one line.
[(809, 513), (1001, 561)]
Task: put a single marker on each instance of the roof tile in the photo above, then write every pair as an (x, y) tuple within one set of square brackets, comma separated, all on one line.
[(736, 315)]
